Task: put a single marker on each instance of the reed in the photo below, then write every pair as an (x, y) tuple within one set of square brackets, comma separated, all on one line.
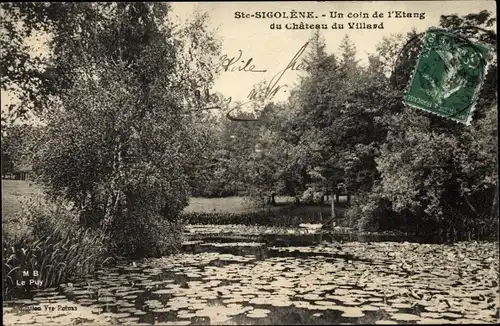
[(282, 217), (53, 246)]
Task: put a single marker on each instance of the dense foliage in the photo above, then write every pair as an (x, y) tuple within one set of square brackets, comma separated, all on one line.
[(121, 125), (126, 143), (344, 129), (47, 238)]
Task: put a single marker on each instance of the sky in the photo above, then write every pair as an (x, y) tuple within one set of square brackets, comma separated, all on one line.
[(271, 49)]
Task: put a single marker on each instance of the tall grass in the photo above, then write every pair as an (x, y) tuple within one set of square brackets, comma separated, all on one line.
[(46, 238), (278, 216)]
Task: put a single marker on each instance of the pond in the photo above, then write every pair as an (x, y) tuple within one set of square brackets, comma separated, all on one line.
[(258, 275)]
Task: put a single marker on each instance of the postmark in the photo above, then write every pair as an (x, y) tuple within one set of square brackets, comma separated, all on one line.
[(448, 75)]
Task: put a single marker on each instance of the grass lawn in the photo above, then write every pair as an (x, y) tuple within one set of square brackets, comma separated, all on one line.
[(219, 205), (14, 192)]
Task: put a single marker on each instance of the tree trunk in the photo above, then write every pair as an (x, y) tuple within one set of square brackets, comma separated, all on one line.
[(332, 201), (494, 206), (108, 213), (114, 195)]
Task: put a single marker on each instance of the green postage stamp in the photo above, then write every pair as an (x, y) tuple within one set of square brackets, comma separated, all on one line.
[(448, 75)]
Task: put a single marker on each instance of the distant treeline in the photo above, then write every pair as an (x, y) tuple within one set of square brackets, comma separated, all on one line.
[(346, 130)]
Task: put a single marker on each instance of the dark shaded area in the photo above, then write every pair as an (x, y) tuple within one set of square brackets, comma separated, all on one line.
[(277, 215), (140, 281)]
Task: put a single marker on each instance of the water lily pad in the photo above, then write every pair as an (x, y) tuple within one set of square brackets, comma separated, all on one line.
[(427, 321), (186, 315), (97, 310), (386, 322), (122, 315), (192, 242), (281, 303), (369, 308), (86, 302), (259, 301), (164, 291), (125, 304), (312, 283), (375, 299), (470, 321), (401, 305), (351, 303), (107, 299), (258, 313), (404, 317), (139, 312), (451, 315), (389, 309), (437, 308), (162, 310), (129, 320), (81, 292), (353, 312), (311, 297), (431, 314), (130, 297)]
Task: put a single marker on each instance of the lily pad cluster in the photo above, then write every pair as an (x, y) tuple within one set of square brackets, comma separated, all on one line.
[(352, 282)]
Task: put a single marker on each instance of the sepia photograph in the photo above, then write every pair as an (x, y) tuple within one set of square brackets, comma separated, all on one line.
[(249, 163)]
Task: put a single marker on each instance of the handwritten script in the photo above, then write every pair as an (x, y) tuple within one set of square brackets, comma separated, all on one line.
[(233, 64), (236, 64)]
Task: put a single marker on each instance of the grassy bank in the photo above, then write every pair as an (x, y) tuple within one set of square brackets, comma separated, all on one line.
[(44, 238), (228, 210), (15, 193), (279, 215), (241, 210), (46, 241)]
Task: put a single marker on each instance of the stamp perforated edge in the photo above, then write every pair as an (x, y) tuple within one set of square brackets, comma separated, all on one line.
[(478, 88)]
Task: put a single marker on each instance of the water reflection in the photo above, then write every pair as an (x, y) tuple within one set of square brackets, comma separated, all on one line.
[(286, 279)]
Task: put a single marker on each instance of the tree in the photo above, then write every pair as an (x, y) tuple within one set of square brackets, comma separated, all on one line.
[(314, 99), (267, 165), (18, 144), (121, 136), (435, 174), (7, 162)]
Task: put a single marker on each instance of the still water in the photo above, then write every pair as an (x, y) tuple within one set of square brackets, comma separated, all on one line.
[(243, 275)]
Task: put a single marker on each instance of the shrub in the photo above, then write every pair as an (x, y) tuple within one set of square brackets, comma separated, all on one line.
[(361, 214), (122, 144), (372, 212), (51, 243), (276, 217), (146, 235)]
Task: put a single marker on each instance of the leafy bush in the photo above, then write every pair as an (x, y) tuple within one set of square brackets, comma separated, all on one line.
[(51, 243), (145, 235), (281, 217), (372, 212), (121, 140)]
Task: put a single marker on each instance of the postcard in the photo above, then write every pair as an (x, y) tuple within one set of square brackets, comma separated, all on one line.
[(241, 163)]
